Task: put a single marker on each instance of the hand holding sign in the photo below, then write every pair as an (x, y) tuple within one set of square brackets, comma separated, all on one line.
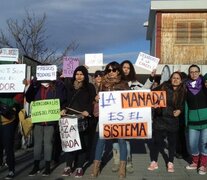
[(147, 62)]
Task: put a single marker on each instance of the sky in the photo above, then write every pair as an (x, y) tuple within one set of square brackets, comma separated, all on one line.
[(112, 27)]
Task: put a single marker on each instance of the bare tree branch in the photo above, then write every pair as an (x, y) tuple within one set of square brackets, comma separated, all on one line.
[(29, 36)]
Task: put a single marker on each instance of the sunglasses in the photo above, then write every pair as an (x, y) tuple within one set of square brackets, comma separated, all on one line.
[(98, 75), (113, 70)]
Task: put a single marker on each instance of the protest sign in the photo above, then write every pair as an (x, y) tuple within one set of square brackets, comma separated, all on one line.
[(147, 62), (9, 54), (45, 110), (127, 114), (12, 77), (70, 139), (48, 72), (94, 59), (69, 65)]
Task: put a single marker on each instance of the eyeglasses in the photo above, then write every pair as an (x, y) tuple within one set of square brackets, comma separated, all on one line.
[(113, 70), (194, 72)]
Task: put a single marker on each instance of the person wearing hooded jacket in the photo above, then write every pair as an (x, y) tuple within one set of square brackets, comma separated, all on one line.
[(44, 131), (80, 97)]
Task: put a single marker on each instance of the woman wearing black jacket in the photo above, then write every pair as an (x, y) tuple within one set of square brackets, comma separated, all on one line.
[(80, 97), (166, 121)]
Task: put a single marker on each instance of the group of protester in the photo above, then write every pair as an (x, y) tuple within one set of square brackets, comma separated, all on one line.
[(186, 99)]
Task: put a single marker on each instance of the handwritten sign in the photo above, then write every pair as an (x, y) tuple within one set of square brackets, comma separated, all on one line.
[(9, 54), (45, 110), (147, 62), (47, 72), (127, 114), (70, 139), (69, 65), (12, 77), (94, 59)]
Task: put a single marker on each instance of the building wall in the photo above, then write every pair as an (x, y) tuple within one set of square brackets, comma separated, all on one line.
[(176, 52)]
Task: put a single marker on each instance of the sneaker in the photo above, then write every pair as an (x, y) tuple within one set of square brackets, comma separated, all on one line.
[(10, 175), (129, 167), (170, 167), (67, 171), (115, 167), (46, 172), (202, 170), (34, 171), (153, 166), (78, 173), (192, 166)]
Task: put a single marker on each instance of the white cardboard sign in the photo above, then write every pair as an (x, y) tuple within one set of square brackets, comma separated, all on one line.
[(12, 77), (47, 72), (147, 62), (94, 59), (9, 54), (70, 139)]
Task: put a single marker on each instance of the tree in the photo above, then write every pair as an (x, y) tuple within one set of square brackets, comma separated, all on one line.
[(29, 36)]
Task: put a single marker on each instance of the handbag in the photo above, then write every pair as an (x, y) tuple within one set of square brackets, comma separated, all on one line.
[(82, 124), (26, 123), (7, 111)]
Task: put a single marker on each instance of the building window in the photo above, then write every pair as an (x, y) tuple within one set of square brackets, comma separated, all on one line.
[(189, 32)]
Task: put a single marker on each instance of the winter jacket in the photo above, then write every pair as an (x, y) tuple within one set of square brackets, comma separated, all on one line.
[(196, 109)]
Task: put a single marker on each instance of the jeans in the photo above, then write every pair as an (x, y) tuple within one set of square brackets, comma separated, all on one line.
[(101, 145), (198, 141), (116, 146)]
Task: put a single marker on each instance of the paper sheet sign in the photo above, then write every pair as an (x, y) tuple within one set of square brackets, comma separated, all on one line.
[(69, 65), (12, 77), (127, 114), (45, 110), (94, 59), (147, 62), (70, 139), (9, 54), (47, 72)]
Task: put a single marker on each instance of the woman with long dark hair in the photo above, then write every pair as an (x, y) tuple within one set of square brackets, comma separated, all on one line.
[(166, 120), (80, 96), (129, 75), (112, 81)]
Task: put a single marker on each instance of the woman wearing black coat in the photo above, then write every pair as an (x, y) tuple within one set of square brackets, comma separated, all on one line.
[(166, 121)]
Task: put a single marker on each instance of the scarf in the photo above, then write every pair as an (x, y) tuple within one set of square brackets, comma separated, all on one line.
[(110, 82), (195, 86), (77, 85)]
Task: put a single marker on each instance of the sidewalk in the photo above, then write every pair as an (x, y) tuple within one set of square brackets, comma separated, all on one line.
[(141, 161)]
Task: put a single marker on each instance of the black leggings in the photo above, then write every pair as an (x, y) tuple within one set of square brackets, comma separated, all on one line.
[(158, 137)]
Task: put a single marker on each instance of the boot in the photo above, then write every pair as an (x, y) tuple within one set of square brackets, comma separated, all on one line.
[(116, 160), (96, 168), (194, 164), (203, 163), (122, 170), (129, 166), (35, 169), (47, 169)]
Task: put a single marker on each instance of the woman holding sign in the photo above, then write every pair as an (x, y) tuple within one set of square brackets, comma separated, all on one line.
[(166, 120), (134, 84), (112, 81), (80, 96)]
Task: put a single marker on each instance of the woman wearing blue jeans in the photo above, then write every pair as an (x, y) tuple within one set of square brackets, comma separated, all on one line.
[(112, 81), (196, 119)]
